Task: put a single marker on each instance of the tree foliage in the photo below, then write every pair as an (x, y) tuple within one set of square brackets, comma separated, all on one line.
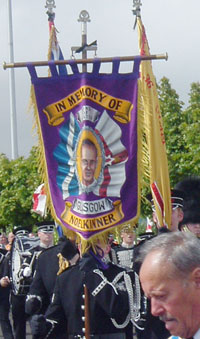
[(191, 133), (18, 180), (182, 132), (182, 129), (171, 110)]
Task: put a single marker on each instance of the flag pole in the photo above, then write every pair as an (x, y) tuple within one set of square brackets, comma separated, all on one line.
[(50, 5), (13, 120), (87, 313), (84, 61), (84, 18)]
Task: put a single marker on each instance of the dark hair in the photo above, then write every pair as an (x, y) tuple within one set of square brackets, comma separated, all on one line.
[(88, 142)]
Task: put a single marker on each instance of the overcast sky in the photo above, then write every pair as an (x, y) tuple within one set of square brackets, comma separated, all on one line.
[(172, 26)]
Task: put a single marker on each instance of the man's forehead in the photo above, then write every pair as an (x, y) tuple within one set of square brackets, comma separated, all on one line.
[(152, 264), (90, 148)]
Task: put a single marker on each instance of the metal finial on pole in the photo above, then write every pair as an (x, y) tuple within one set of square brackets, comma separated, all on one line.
[(50, 5), (84, 18), (136, 7)]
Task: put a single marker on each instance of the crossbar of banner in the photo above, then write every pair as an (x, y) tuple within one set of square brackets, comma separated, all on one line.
[(85, 61)]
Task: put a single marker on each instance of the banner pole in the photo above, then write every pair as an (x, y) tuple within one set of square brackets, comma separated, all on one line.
[(87, 313), (86, 61)]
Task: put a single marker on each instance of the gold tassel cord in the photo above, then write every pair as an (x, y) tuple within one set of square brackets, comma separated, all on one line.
[(63, 263)]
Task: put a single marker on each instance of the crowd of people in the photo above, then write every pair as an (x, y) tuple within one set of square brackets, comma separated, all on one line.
[(136, 288)]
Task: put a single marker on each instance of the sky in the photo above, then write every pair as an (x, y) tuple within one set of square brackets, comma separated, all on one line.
[(172, 27)]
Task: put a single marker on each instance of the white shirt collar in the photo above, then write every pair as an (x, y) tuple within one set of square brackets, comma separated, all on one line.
[(45, 246), (127, 245), (197, 334)]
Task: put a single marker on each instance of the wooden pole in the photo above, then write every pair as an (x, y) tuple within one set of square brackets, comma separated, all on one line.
[(87, 313), (85, 61)]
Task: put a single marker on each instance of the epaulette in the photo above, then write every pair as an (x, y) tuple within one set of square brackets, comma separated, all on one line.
[(63, 263)]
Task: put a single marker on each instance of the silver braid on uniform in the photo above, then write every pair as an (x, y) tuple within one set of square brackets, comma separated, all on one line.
[(102, 284), (125, 323), (53, 323), (134, 302)]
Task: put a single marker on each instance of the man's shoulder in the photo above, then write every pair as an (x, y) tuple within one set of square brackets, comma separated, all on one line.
[(117, 268), (71, 273), (118, 248), (71, 269), (46, 251), (48, 256)]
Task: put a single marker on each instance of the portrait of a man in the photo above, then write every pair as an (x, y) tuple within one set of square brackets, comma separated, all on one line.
[(88, 161)]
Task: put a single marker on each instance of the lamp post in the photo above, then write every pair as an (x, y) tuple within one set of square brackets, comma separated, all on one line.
[(13, 120)]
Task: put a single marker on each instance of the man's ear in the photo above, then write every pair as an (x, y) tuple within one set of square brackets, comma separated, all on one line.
[(196, 277), (180, 214)]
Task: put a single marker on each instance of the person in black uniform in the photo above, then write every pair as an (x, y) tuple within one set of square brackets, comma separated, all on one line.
[(177, 201), (49, 264), (114, 300), (5, 323), (191, 220), (45, 240), (123, 253)]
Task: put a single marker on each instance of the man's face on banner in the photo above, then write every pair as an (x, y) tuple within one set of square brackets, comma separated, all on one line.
[(88, 163)]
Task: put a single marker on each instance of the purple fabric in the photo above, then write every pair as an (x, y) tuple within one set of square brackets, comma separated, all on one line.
[(90, 199)]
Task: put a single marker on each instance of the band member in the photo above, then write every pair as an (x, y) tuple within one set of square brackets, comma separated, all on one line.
[(191, 219), (50, 264), (123, 253), (177, 199), (114, 300), (45, 234), (45, 240), (5, 322)]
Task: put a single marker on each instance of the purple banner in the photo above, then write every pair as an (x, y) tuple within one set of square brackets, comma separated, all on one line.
[(88, 127)]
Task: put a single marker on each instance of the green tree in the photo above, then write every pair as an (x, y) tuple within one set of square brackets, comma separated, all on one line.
[(171, 110), (190, 127), (18, 180)]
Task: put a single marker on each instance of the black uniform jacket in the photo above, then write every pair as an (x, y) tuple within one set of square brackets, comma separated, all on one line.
[(45, 277), (107, 299), (4, 271)]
